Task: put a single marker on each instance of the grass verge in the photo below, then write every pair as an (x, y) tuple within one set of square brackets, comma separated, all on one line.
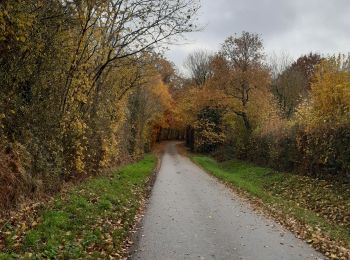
[(318, 211), (89, 222)]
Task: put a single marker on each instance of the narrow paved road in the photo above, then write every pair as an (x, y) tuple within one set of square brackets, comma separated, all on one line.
[(193, 216)]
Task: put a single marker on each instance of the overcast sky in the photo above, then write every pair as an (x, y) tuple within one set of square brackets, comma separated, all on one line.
[(294, 26)]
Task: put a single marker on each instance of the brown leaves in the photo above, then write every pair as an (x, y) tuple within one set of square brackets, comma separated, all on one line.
[(14, 227), (294, 201), (329, 200)]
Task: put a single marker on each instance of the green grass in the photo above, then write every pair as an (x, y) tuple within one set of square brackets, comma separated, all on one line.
[(321, 205), (91, 221)]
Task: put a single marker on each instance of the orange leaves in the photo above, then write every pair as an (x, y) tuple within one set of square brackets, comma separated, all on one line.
[(158, 102), (161, 92), (193, 99)]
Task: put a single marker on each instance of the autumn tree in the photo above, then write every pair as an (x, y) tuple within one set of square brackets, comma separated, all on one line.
[(166, 69), (107, 34), (325, 117), (291, 84), (68, 68), (243, 58), (289, 89), (237, 82), (208, 127), (149, 105), (307, 65)]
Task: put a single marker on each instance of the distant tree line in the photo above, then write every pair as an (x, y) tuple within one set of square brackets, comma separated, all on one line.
[(290, 115)]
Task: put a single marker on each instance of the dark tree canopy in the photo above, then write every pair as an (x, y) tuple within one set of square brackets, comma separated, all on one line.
[(292, 85)]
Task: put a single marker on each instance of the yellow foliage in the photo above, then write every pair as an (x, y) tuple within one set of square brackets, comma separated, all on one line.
[(263, 112), (194, 99), (15, 22), (329, 102), (161, 95), (74, 135)]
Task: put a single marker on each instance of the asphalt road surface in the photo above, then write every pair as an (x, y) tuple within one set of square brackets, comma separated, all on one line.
[(192, 216)]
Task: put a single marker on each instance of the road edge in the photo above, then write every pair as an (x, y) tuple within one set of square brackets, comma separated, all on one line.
[(132, 241), (257, 205)]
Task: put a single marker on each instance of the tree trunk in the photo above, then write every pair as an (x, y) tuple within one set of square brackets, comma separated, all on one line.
[(246, 122)]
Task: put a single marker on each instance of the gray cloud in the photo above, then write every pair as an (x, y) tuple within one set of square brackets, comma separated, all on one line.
[(294, 26)]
